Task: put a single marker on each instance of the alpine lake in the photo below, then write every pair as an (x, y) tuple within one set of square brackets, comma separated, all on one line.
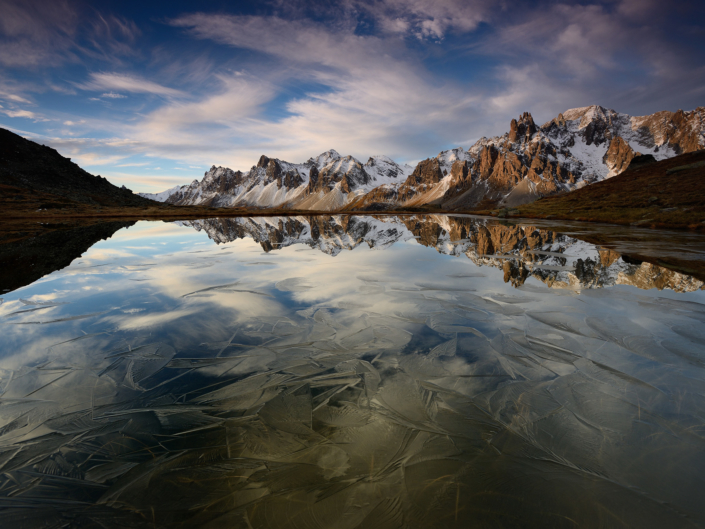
[(357, 372)]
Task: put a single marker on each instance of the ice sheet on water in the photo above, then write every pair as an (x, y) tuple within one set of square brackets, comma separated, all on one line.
[(451, 324), (683, 348), (108, 471), (358, 339), (59, 320), (624, 332), (506, 298), (444, 287), (147, 362), (432, 408), (208, 289), (200, 266), (293, 284), (34, 309), (688, 306), (286, 328), (488, 305), (406, 400), (254, 383), (195, 363), (445, 349), (535, 289), (345, 415), (694, 333), (38, 303), (565, 321)]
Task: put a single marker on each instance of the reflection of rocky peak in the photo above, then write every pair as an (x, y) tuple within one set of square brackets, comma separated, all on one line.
[(330, 235), (519, 252), (560, 261)]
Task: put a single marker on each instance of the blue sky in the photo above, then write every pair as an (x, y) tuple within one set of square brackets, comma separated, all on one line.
[(151, 94)]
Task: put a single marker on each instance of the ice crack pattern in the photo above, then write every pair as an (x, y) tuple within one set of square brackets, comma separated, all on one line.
[(413, 387)]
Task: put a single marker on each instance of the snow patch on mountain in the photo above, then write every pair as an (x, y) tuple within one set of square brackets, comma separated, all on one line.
[(163, 196)]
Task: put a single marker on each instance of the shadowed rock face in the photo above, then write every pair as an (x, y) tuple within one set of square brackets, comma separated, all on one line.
[(349, 173), (518, 252), (426, 174), (24, 262)]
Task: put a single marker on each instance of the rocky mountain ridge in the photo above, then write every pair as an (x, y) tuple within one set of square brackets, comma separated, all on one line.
[(578, 147), (325, 182)]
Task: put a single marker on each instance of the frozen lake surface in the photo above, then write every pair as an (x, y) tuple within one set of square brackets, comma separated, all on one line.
[(355, 372)]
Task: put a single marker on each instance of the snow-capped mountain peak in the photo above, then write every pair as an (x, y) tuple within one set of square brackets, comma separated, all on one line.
[(324, 158), (580, 146)]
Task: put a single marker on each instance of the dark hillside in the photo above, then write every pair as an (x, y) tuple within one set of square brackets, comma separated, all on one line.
[(665, 194), (28, 166)]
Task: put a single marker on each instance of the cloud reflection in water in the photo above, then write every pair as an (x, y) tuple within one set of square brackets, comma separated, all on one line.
[(396, 388)]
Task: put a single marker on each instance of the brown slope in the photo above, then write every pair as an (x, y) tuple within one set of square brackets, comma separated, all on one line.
[(665, 194)]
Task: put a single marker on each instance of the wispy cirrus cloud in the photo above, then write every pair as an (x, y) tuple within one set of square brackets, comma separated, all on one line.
[(33, 33), (14, 98), (126, 83), (373, 95), (113, 36), (37, 33), (113, 95), (600, 53), (292, 78), (20, 114)]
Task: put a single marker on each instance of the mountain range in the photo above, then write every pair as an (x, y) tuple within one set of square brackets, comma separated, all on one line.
[(578, 147)]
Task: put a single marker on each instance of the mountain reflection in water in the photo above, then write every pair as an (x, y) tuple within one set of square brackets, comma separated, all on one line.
[(519, 251), (166, 381)]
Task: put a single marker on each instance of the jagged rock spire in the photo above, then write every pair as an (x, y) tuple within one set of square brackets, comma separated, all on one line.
[(525, 127)]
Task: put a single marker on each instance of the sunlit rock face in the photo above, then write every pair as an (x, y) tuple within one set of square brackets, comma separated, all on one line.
[(580, 146), (519, 252)]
